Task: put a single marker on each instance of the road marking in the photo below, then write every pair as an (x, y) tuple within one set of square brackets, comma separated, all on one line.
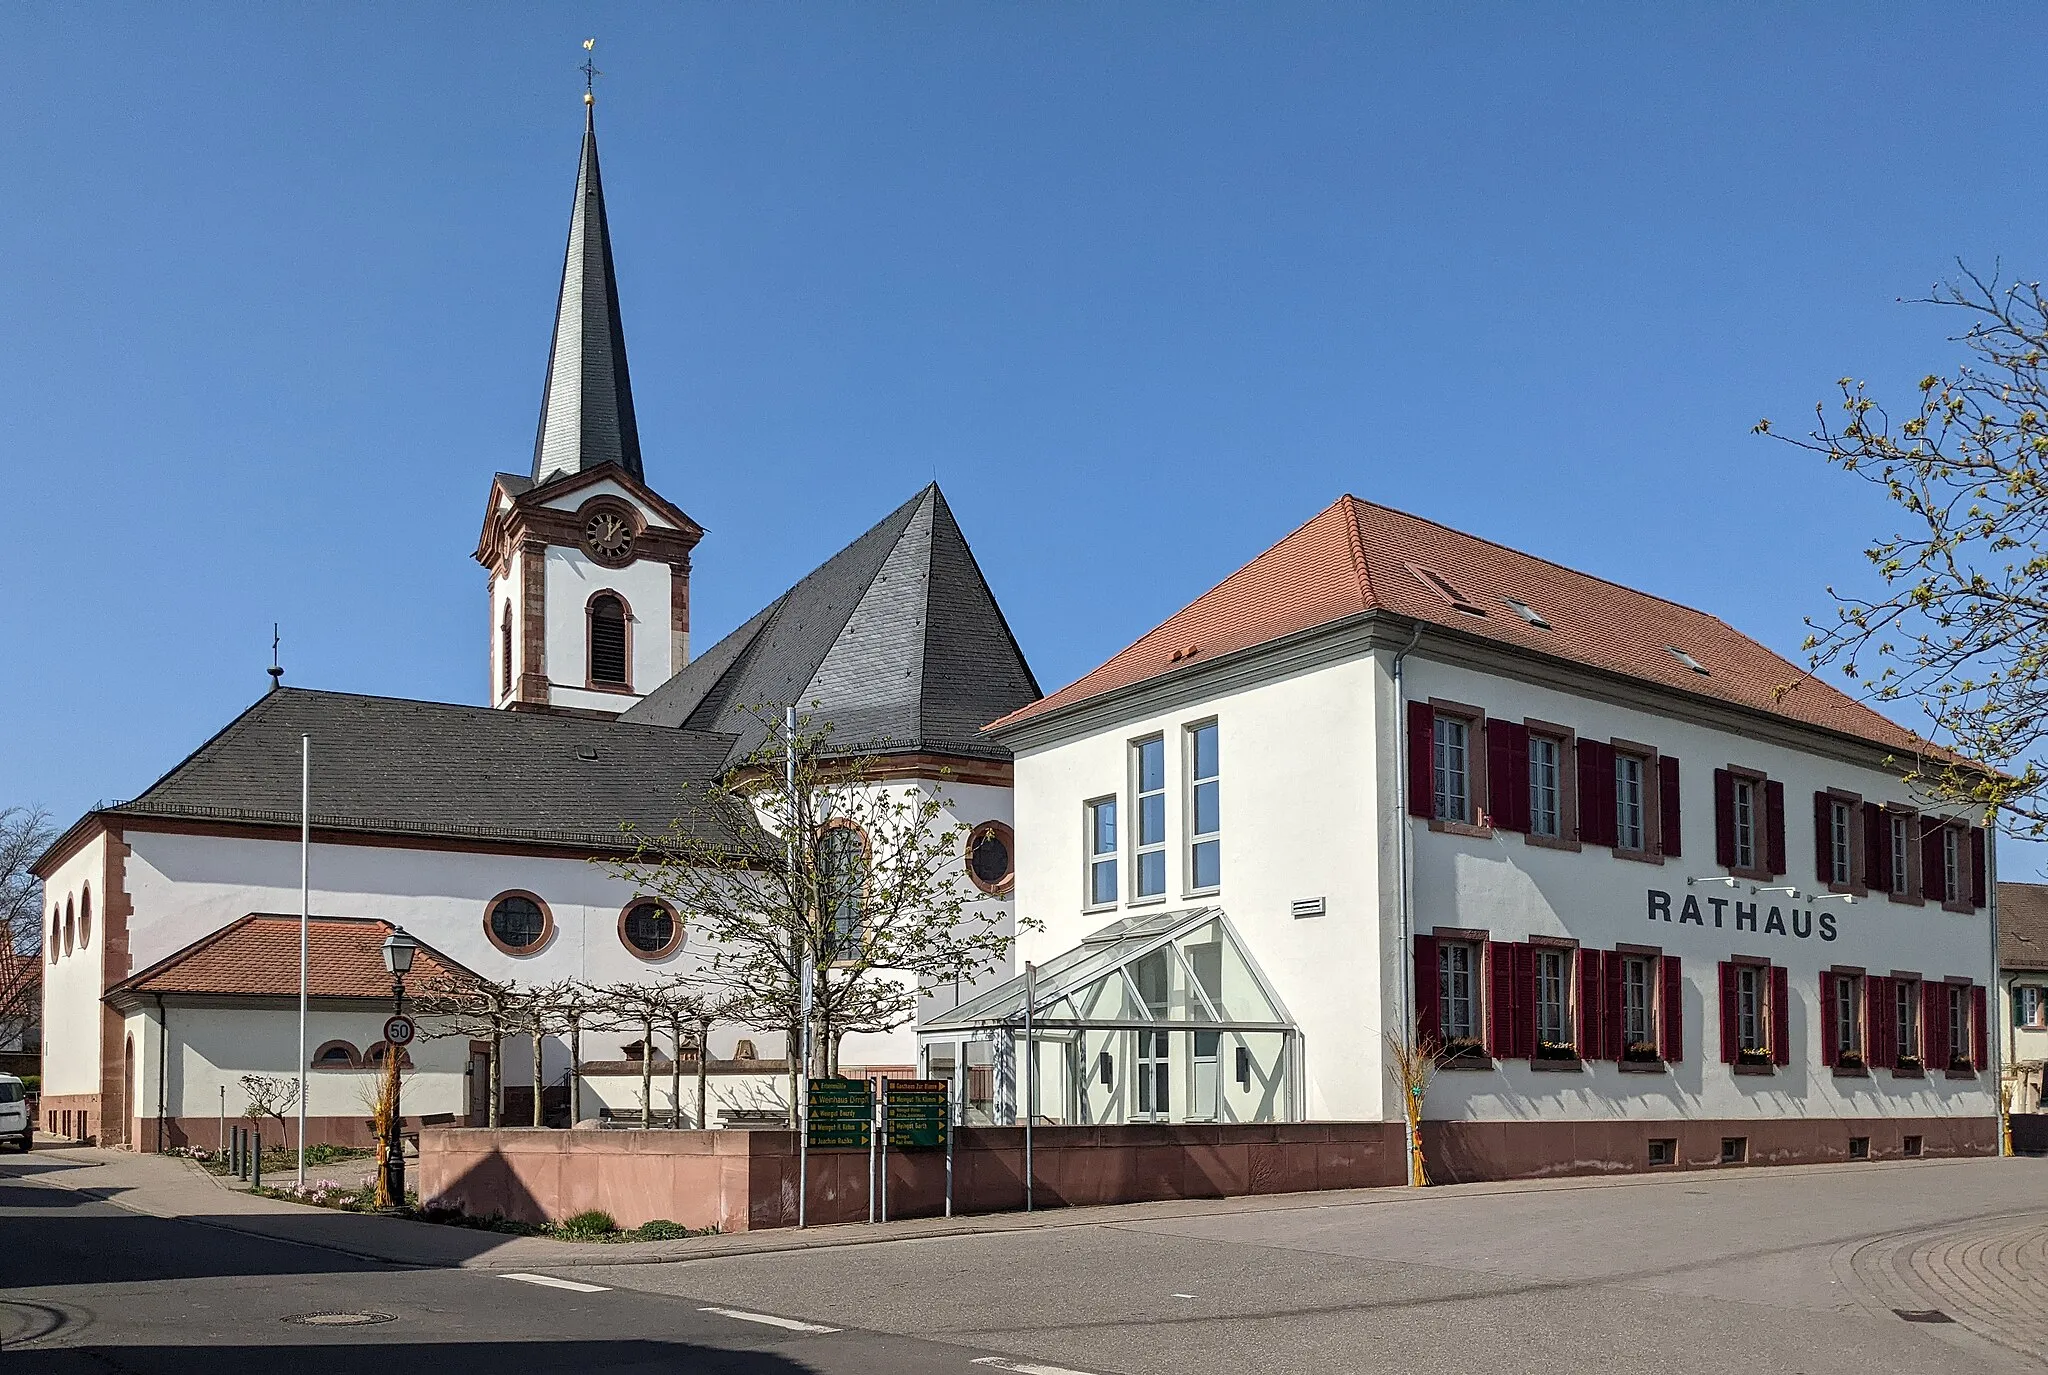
[(787, 1324), (574, 1286), (1020, 1368)]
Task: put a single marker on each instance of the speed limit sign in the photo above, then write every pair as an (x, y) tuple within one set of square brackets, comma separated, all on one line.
[(399, 1031)]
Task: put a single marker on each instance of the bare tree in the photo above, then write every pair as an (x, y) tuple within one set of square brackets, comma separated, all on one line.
[(1958, 619), (270, 1096), (473, 1009), (24, 834), (643, 1007)]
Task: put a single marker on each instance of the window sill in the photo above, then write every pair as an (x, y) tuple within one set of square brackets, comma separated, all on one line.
[(1754, 1069), (1573, 1066), (1552, 843), (1959, 1073), (618, 689), (1642, 1067), (1152, 901), (1961, 909), (1850, 1071), (1462, 828), (1909, 1074), (1753, 875), (1460, 1062), (1202, 893), (1639, 856), (1854, 890)]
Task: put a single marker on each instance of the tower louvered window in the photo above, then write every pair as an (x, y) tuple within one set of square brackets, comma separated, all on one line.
[(505, 652), (607, 640)]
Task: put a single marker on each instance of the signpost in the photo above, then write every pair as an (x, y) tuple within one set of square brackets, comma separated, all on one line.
[(915, 1118), (841, 1115), (399, 1031)]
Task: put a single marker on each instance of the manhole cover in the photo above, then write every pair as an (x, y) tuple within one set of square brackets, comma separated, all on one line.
[(1923, 1315), (339, 1319)]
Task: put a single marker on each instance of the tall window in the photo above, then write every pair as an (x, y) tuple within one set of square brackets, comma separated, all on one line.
[(1749, 1008), (1745, 824), (1206, 1069), (1205, 850), (1457, 964), (842, 885), (1148, 763), (1848, 1015), (505, 652), (1628, 803), (1152, 979), (1841, 869), (1906, 1004), (1102, 884), (1553, 999), (1453, 801), (1952, 886), (1959, 1038), (1900, 851), (607, 640), (1545, 799), (1638, 1005), (2030, 1009)]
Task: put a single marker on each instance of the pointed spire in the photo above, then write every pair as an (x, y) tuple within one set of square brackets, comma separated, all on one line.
[(586, 410)]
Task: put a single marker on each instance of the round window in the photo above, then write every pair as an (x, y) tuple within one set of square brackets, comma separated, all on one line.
[(989, 862), (517, 923), (650, 928)]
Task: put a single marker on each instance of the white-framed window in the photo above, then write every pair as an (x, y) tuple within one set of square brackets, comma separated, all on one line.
[(1960, 1042), (1148, 783), (1205, 847), (1952, 885), (1453, 769), (1745, 823), (1546, 793), (1750, 992), (1848, 1015), (1906, 1004), (1155, 1074), (1458, 1009), (1553, 1000), (1638, 1005), (1901, 851), (1102, 851), (1205, 1069), (2030, 1007), (1629, 829), (1841, 854)]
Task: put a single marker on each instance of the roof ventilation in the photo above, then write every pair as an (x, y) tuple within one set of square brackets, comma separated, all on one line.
[(1684, 658), (1437, 583), (1527, 612), (587, 752)]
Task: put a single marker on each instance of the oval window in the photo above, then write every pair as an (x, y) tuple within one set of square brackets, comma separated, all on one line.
[(650, 928), (989, 862), (517, 923)]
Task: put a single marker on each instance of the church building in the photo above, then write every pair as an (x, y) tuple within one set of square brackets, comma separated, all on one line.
[(173, 929)]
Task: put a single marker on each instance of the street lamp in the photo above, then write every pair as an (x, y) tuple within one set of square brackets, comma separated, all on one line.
[(399, 949)]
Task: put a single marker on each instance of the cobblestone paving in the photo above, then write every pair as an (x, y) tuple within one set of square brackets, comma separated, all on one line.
[(1990, 1276)]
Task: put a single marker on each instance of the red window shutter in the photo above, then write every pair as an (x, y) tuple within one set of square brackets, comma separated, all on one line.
[(1500, 1000), (1774, 825), (1824, 839), (1977, 876), (1590, 1003), (1980, 1030), (1877, 849), (1880, 1015), (1507, 774), (1667, 803), (1525, 1002), (1421, 760), (1933, 872), (1613, 1042), (1830, 1047), (1672, 1044), (1934, 1026), (1731, 1041), (1429, 1024), (1596, 793), (1724, 818), (1781, 1016)]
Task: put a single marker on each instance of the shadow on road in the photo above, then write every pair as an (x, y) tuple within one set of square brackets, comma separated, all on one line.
[(351, 1351)]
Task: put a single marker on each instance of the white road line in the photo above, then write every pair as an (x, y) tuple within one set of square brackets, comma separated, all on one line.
[(787, 1324), (574, 1286), (1020, 1368)]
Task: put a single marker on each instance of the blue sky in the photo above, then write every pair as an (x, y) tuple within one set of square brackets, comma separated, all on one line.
[(1143, 286)]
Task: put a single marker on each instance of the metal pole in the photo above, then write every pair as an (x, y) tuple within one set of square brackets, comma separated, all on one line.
[(874, 1142), (305, 920), (223, 1118), (1030, 1076), (256, 1163), (802, 1049), (960, 1049), (883, 1122)]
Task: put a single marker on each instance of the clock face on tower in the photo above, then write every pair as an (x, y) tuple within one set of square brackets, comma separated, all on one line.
[(608, 535)]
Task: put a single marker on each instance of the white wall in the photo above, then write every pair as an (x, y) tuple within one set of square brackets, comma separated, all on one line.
[(572, 578), (72, 986)]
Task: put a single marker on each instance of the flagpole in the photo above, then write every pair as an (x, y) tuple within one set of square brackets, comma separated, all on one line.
[(305, 920)]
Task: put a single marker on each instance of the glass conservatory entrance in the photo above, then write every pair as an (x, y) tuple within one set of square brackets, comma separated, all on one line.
[(1156, 1018)]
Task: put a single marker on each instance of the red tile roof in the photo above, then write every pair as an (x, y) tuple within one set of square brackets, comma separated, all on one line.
[(258, 956), (1356, 557)]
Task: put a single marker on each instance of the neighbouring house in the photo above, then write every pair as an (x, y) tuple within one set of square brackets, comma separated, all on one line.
[(2023, 991)]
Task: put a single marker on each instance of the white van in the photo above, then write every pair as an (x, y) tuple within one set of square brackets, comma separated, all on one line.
[(14, 1123)]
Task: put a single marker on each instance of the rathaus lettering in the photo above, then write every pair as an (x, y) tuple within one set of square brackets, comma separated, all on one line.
[(1742, 916)]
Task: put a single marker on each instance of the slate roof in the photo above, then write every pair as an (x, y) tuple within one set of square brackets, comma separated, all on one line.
[(2023, 926), (1355, 557), (389, 765), (586, 410), (897, 639), (258, 956)]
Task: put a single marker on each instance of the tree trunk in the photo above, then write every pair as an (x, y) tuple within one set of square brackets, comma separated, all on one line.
[(497, 1072), (539, 1045), (703, 1070), (794, 1055), (575, 1068), (647, 1074), (675, 1071)]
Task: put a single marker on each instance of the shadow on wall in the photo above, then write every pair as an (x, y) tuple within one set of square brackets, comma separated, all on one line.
[(445, 1358)]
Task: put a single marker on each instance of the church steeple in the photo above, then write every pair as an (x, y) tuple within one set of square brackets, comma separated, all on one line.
[(586, 410)]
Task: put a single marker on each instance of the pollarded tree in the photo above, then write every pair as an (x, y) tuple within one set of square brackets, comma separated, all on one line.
[(476, 1009), (797, 857), (24, 834), (1958, 621)]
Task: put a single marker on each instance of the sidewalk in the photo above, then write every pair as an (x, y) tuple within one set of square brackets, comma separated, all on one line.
[(170, 1187)]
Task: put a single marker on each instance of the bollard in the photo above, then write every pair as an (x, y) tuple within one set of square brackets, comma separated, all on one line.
[(256, 1161), (235, 1152)]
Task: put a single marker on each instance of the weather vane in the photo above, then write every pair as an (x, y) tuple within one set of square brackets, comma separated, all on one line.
[(275, 671), (590, 72)]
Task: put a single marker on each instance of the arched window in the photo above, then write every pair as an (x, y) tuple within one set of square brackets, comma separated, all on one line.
[(608, 641), (337, 1055), (70, 927), (505, 653), (842, 886), (518, 923), (649, 928), (85, 918), (373, 1057), (56, 932)]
